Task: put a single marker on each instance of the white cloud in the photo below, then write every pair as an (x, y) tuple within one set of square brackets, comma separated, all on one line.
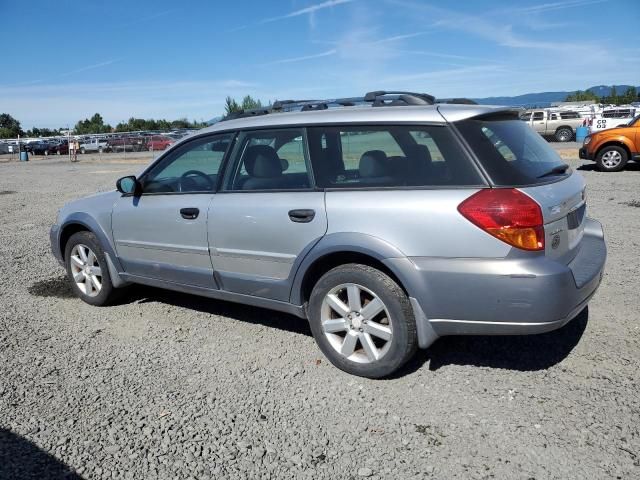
[(88, 67), (310, 10), (303, 58), (547, 7), (307, 10)]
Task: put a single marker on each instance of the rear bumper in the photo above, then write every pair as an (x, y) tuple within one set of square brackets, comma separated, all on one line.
[(585, 154), (516, 296)]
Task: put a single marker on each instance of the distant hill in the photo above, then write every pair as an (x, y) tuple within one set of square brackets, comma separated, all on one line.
[(544, 99)]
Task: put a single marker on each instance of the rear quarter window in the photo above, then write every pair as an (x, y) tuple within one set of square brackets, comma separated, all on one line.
[(511, 152)]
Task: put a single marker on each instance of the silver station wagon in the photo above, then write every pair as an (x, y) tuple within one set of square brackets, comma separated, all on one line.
[(386, 221)]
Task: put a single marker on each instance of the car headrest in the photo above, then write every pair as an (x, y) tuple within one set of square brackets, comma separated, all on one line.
[(421, 153), (262, 161), (374, 163)]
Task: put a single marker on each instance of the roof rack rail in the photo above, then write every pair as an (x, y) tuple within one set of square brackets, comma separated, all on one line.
[(402, 98), (305, 105), (246, 113), (379, 98), (457, 101)]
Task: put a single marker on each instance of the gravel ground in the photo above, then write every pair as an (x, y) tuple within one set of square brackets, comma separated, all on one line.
[(168, 385)]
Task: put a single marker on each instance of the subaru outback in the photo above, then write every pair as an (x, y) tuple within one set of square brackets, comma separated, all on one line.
[(385, 221)]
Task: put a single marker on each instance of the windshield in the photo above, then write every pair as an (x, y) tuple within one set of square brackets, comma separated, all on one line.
[(634, 121), (511, 152)]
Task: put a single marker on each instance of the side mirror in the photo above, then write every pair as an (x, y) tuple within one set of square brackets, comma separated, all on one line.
[(128, 185)]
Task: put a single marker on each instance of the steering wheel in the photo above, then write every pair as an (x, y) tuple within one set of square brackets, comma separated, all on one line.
[(197, 173)]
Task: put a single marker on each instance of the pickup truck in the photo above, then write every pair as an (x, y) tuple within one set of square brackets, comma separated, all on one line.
[(93, 145), (560, 125)]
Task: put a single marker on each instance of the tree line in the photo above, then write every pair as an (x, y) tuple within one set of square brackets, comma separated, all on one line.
[(629, 96), (11, 128)]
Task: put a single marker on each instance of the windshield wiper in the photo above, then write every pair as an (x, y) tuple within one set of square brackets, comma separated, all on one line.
[(557, 170)]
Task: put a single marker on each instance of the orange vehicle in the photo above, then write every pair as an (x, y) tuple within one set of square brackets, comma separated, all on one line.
[(611, 149)]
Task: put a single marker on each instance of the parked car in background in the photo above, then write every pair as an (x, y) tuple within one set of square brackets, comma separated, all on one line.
[(385, 228), (560, 125), (126, 143), (40, 148), (4, 148), (61, 148), (158, 142), (93, 145), (611, 149)]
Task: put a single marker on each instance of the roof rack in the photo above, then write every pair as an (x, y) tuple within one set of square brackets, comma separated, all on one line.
[(457, 101), (379, 98), (401, 98)]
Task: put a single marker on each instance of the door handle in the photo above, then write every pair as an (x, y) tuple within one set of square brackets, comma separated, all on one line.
[(302, 215), (189, 213)]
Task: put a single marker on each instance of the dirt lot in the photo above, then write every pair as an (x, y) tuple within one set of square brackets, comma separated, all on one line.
[(168, 385)]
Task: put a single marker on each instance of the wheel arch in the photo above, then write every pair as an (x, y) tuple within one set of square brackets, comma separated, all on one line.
[(67, 231), (614, 143), (569, 127), (80, 221), (339, 249)]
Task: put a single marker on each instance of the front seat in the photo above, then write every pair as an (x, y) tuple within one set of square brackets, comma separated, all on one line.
[(374, 168), (264, 168)]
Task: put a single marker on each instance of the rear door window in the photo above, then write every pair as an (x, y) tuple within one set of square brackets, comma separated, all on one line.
[(389, 156), (269, 160)]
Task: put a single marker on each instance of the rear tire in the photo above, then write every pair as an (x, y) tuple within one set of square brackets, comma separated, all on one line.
[(611, 159), (362, 321), (87, 270), (82, 151), (564, 134)]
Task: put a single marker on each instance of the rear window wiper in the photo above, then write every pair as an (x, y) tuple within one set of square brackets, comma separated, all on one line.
[(557, 170)]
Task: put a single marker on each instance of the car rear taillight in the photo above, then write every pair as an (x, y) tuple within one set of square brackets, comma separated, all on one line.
[(507, 214)]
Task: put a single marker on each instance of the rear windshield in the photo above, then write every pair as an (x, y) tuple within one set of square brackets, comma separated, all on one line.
[(511, 152)]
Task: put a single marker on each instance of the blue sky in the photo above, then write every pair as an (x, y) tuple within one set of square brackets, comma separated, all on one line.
[(174, 59)]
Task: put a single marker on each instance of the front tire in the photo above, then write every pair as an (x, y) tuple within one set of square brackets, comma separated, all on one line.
[(611, 159), (87, 270), (82, 151), (362, 321)]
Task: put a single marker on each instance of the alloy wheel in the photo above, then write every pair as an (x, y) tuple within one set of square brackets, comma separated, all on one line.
[(85, 270), (611, 159), (356, 323)]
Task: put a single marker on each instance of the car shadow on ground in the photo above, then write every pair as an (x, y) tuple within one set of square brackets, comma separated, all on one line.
[(523, 353), (236, 311), (513, 352), (52, 287), (59, 287), (21, 459), (591, 167)]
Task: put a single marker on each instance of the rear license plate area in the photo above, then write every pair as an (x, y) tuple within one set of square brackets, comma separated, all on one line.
[(575, 217)]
